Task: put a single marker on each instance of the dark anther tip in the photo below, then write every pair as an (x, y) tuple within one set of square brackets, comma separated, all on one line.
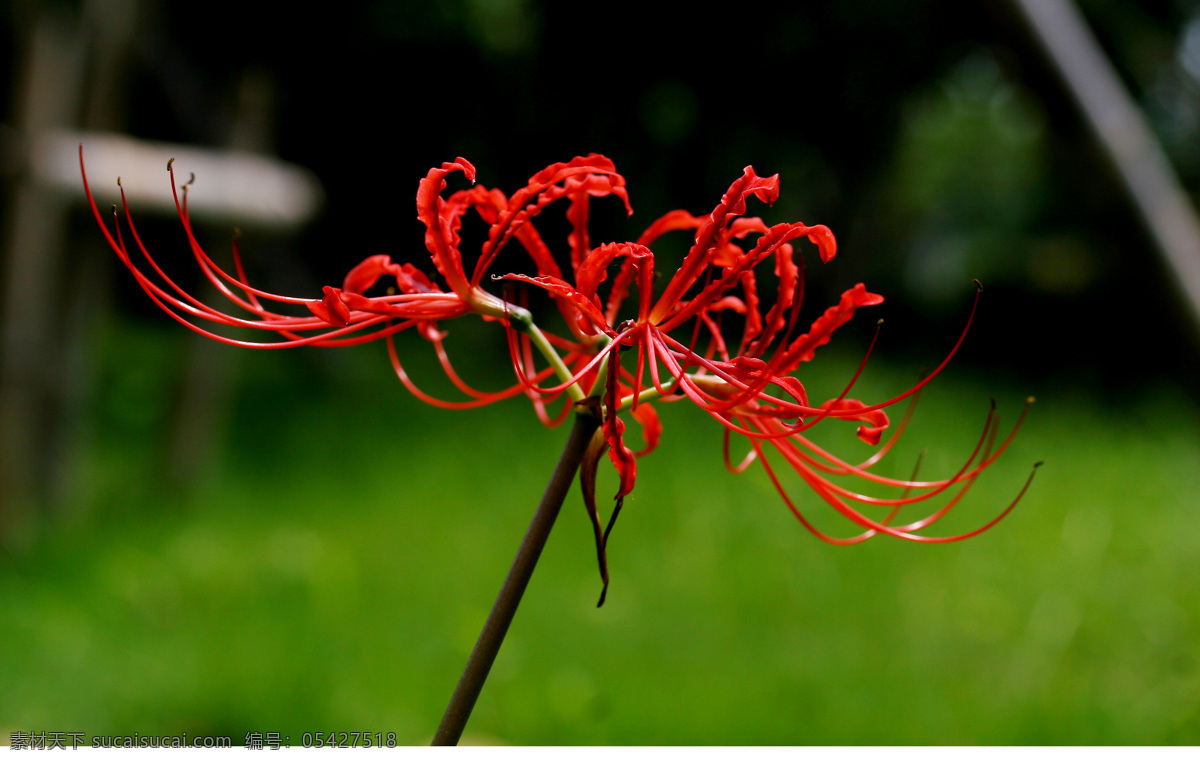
[(191, 179), (1037, 464), (237, 233), (978, 285), (118, 180), (879, 322), (114, 210), (170, 162)]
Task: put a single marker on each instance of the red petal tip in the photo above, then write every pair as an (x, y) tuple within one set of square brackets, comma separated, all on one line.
[(823, 238), (467, 168), (870, 435), (331, 310)]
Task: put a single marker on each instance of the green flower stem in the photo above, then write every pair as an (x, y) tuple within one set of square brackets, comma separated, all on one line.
[(521, 319), (601, 377), (496, 626), (551, 355), (649, 394)]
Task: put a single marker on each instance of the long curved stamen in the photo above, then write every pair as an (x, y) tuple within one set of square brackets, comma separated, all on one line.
[(207, 263), (170, 304), (938, 370), (575, 378), (452, 375), (897, 431), (187, 305), (825, 410), (797, 459), (747, 460), (874, 528), (846, 468), (516, 389), (941, 512)]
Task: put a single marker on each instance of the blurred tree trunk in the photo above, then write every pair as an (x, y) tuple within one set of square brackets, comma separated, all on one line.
[(69, 72), (50, 73)]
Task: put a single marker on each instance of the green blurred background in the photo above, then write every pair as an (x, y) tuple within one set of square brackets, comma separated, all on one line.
[(211, 540)]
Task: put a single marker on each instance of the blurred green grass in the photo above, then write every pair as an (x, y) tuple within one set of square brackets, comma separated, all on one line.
[(332, 570)]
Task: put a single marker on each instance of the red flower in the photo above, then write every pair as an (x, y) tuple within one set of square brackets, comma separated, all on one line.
[(745, 382)]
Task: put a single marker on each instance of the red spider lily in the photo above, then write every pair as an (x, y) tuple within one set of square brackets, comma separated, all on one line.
[(744, 383), (346, 315)]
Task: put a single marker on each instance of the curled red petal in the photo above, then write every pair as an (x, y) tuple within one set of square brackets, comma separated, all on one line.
[(412, 281), (788, 273), (728, 302), (529, 201), (675, 220), (441, 238), (331, 309), (580, 191), (364, 275), (622, 458), (803, 347), (645, 415), (823, 238), (775, 237), (740, 228), (556, 286), (876, 419), (711, 234), (490, 204), (594, 269), (552, 173)]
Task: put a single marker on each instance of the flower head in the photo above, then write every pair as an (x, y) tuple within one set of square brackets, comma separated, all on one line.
[(746, 379), (706, 334)]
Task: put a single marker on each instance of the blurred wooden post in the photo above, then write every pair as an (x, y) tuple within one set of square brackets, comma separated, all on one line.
[(71, 70), (47, 95), (1154, 188)]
